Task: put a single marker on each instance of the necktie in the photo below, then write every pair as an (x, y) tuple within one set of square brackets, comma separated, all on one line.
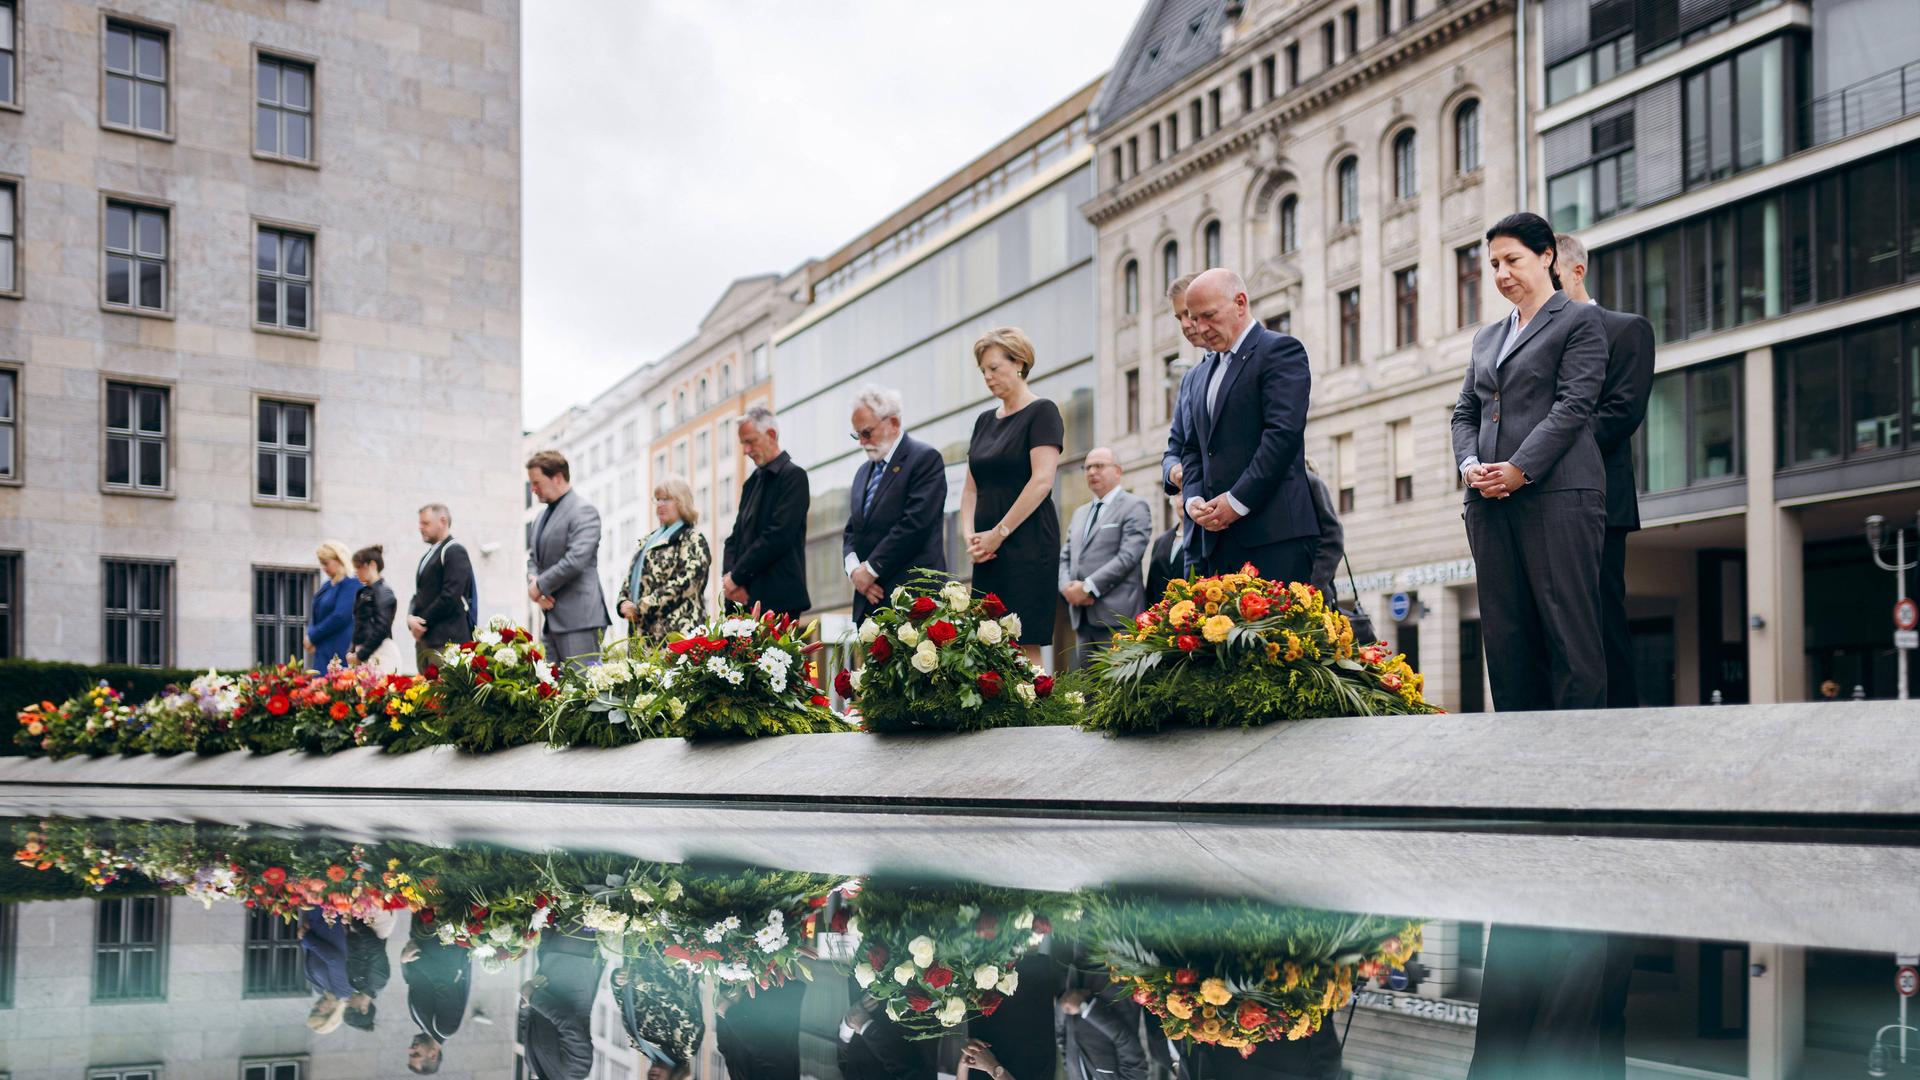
[(1094, 518), (540, 529), (874, 470), (1220, 364)]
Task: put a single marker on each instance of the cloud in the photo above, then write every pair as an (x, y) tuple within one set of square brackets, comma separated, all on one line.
[(671, 146)]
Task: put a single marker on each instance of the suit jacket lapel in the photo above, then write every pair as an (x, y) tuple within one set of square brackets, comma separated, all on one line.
[(1540, 319), (1234, 369), (892, 469), (860, 491), (1199, 419)]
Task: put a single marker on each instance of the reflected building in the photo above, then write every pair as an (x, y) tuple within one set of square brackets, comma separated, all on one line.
[(998, 243)]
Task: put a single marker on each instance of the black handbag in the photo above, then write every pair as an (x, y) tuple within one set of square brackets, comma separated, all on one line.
[(1356, 614)]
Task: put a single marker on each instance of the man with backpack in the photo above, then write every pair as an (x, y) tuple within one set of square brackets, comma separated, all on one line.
[(445, 603)]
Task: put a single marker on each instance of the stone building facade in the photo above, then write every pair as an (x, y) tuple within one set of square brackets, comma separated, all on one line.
[(261, 290)]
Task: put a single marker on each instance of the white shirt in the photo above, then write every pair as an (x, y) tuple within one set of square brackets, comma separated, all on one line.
[(886, 459), (1222, 362), (1101, 503)]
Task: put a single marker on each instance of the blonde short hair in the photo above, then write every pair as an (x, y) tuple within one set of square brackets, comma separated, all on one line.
[(681, 492), (335, 550), (327, 1014), (1010, 340)]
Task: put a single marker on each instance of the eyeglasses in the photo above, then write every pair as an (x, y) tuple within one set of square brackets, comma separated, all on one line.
[(865, 433)]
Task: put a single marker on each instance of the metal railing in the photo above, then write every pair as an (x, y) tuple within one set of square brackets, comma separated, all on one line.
[(1869, 103)]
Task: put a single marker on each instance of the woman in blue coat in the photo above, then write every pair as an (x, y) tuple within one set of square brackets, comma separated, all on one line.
[(330, 618)]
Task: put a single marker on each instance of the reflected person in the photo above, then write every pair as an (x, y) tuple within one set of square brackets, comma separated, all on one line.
[(1553, 1004), (439, 978), (556, 1008), (323, 950), (1098, 1039), (368, 969), (873, 1047), (659, 1006), (759, 1036)]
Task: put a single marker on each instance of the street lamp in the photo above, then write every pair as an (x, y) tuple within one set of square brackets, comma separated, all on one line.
[(1877, 543)]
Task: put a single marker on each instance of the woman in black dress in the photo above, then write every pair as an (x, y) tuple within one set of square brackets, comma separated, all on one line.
[(1015, 530)]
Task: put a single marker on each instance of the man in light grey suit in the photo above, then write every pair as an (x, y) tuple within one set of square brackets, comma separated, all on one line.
[(1100, 562), (561, 564)]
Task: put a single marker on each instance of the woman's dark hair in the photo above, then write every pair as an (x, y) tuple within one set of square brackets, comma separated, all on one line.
[(361, 1020), (374, 554), (1533, 231)]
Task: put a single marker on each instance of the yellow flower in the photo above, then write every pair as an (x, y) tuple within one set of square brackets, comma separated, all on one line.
[(1293, 976), (394, 723), (1273, 655), (1301, 1030), (1293, 646), (1209, 1011), (1215, 992), (1215, 593), (1217, 628), (1233, 1042), (1212, 608), (1180, 1005), (1182, 614), (1271, 972)]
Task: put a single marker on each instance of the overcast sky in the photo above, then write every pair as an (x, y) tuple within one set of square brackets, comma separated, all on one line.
[(671, 146)]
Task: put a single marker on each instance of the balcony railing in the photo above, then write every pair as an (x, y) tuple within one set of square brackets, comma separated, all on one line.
[(1869, 103)]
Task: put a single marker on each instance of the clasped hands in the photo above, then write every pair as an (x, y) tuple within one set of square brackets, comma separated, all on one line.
[(984, 546), (868, 585), (1212, 514), (1077, 594), (534, 594), (1496, 481), (731, 590)]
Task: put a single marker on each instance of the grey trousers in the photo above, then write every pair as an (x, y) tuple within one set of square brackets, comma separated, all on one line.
[(1537, 558), (572, 644)]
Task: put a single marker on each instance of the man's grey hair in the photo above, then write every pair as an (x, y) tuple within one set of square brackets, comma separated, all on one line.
[(884, 401), (1569, 251), (761, 417), (438, 510)]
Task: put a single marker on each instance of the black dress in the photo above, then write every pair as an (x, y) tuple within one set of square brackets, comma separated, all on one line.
[(1025, 572)]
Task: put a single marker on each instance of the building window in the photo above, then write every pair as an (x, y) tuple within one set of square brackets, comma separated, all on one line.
[(8, 63), (9, 424), (1171, 372), (136, 78), (129, 949), (1119, 165), (273, 1069), (1386, 17), (283, 279), (1326, 44), (630, 431), (1410, 16), (1466, 271), (1281, 323), (1173, 133), (1735, 112), (1603, 185), (1211, 245), (136, 437), (1400, 436), (1692, 431), (136, 257), (10, 626), (1169, 264), (726, 380), (1133, 400), (137, 612), (1850, 394), (273, 966), (283, 109), (125, 1072), (1289, 224), (680, 406), (1268, 77), (1130, 288), (1350, 23), (680, 458), (9, 227), (701, 449), (1199, 119), (1350, 327), (1133, 155), (1347, 180), (659, 467), (1406, 165), (1466, 138), (1159, 154), (660, 424), (1345, 469), (1406, 307), (1293, 64), (760, 370), (1213, 109), (702, 402), (283, 452)]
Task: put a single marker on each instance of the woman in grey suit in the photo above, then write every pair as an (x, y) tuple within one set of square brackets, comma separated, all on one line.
[(1536, 502)]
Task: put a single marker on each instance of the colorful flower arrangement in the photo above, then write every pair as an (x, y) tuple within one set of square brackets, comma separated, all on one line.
[(186, 719), (936, 957), (1239, 650), (94, 721), (496, 930), (487, 694), (937, 657), (624, 698), (747, 675), (1237, 974)]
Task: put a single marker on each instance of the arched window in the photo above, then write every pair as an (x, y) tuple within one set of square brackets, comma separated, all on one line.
[(726, 380), (1466, 137), (1406, 165), (1130, 289), (702, 399), (1169, 263), (1289, 225), (1348, 186), (1211, 245)]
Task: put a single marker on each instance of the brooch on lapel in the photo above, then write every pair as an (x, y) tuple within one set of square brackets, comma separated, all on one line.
[(896, 470)]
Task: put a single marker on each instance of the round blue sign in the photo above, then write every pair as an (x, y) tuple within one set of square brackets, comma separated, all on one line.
[(1399, 606)]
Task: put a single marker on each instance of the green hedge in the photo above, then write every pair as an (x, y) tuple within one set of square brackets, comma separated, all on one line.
[(23, 682)]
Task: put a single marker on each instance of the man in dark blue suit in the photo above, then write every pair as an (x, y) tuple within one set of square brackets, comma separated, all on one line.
[(1171, 471), (1243, 457), (899, 503)]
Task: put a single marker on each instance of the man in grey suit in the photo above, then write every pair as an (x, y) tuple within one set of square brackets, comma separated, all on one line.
[(1100, 562), (562, 564)]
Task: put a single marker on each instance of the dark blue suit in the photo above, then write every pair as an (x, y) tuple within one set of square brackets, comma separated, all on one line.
[(1176, 436), (905, 527), (1253, 445)]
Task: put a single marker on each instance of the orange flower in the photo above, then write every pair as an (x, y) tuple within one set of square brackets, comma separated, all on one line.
[(336, 873)]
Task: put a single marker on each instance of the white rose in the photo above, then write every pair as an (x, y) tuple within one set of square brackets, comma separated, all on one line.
[(926, 658), (952, 1012), (869, 631), (1024, 691), (487, 637), (543, 671), (986, 977), (1010, 622), (863, 974), (899, 593), (921, 949), (482, 952), (988, 632), (1009, 983), (957, 596), (857, 677), (908, 635), (499, 622), (501, 934), (904, 973), (1075, 697), (506, 656), (1023, 921), (896, 1008)]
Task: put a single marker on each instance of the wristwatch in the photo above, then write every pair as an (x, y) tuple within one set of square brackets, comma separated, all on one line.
[(1003, 530)]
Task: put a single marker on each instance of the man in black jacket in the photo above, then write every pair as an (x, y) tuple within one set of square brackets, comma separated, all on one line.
[(759, 1036), (1167, 559), (438, 614), (556, 1009), (1099, 1040), (872, 1047), (367, 971), (898, 518), (438, 979), (1622, 408), (764, 560)]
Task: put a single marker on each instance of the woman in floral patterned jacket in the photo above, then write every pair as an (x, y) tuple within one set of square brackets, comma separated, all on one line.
[(666, 583)]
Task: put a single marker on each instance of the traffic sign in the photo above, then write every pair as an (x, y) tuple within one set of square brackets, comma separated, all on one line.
[(1399, 605), (1907, 981), (1906, 614), (1906, 639)]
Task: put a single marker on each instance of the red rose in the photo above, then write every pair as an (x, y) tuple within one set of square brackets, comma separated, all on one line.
[(993, 607), (432, 672), (987, 926), (1042, 685), (339, 710), (989, 684), (1187, 642), (838, 925), (1042, 924), (1144, 996), (534, 653), (942, 632), (467, 646), (1185, 977), (880, 650), (821, 700), (547, 690), (278, 704), (843, 683), (990, 1001), (938, 977), (877, 957), (1251, 1015), (1254, 606), (482, 677), (919, 1003), (480, 662), (923, 607)]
